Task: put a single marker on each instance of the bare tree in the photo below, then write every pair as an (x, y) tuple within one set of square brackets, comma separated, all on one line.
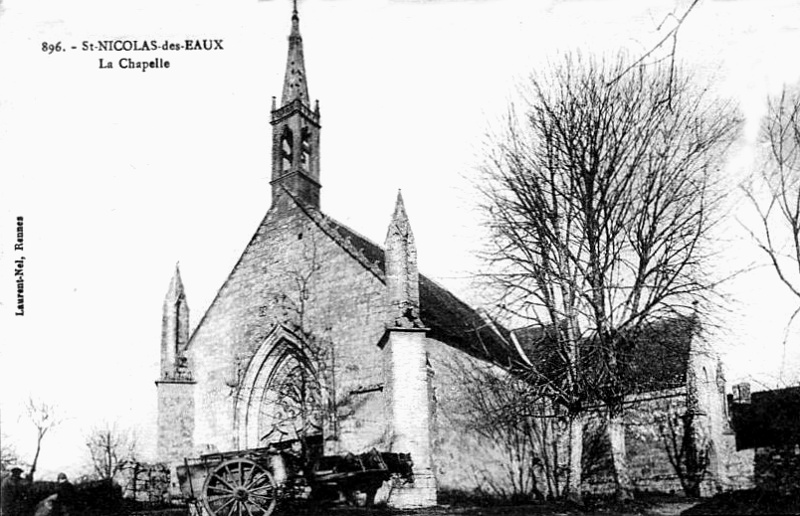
[(8, 454), (600, 198), (44, 418), (110, 450), (774, 191)]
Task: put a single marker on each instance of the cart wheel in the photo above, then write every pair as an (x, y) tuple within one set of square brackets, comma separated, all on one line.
[(239, 487)]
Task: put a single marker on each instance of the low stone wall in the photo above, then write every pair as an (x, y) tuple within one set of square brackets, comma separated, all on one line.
[(777, 469), (652, 427), (736, 467)]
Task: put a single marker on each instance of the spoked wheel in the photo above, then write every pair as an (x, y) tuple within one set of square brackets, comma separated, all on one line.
[(239, 487)]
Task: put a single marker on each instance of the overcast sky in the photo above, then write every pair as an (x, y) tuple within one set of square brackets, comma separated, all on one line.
[(120, 173)]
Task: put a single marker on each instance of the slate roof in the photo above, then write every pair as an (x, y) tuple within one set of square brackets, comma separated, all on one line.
[(659, 358), (772, 418), (656, 359)]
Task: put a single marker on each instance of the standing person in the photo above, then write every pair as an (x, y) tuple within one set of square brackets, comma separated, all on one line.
[(13, 494), (66, 495)]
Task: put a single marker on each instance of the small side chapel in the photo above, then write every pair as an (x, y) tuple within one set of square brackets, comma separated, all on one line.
[(312, 303)]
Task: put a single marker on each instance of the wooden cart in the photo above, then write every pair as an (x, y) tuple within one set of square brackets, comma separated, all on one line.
[(252, 482)]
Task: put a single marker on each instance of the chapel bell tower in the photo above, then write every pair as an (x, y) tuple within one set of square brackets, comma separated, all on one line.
[(295, 132)]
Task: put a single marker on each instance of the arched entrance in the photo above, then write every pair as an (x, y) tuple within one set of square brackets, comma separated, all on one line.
[(290, 407), (280, 398)]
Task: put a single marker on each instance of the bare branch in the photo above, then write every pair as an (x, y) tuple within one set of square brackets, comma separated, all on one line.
[(110, 450), (673, 33), (44, 418), (774, 190)]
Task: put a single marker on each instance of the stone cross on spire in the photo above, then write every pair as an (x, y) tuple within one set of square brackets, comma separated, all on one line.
[(294, 83)]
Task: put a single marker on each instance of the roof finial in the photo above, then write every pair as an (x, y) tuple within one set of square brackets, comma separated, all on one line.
[(294, 84), (399, 215)]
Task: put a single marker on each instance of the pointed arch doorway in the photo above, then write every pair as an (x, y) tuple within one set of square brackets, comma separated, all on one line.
[(280, 398)]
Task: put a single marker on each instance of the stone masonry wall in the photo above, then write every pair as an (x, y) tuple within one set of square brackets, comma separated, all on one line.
[(175, 420), (736, 467), (292, 272), (463, 459), (486, 465), (649, 426)]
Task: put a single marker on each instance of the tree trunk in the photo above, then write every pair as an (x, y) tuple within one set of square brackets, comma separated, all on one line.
[(35, 457), (619, 462), (574, 481)]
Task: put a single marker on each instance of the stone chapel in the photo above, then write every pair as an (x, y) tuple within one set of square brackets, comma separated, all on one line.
[(310, 298), (318, 331)]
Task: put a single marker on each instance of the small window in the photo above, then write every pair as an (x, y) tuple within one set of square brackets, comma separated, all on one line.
[(305, 151), (286, 150)]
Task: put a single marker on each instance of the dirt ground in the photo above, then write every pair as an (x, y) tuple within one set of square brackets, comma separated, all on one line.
[(750, 502), (663, 507), (651, 506)]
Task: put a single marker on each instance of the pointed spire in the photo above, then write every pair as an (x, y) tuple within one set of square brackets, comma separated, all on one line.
[(295, 134), (402, 276), (294, 83), (400, 224), (175, 286), (174, 328)]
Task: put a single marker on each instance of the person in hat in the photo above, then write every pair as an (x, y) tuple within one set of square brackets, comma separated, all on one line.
[(13, 494), (66, 495)]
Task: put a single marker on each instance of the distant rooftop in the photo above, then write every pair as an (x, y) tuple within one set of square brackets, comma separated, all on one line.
[(771, 418)]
